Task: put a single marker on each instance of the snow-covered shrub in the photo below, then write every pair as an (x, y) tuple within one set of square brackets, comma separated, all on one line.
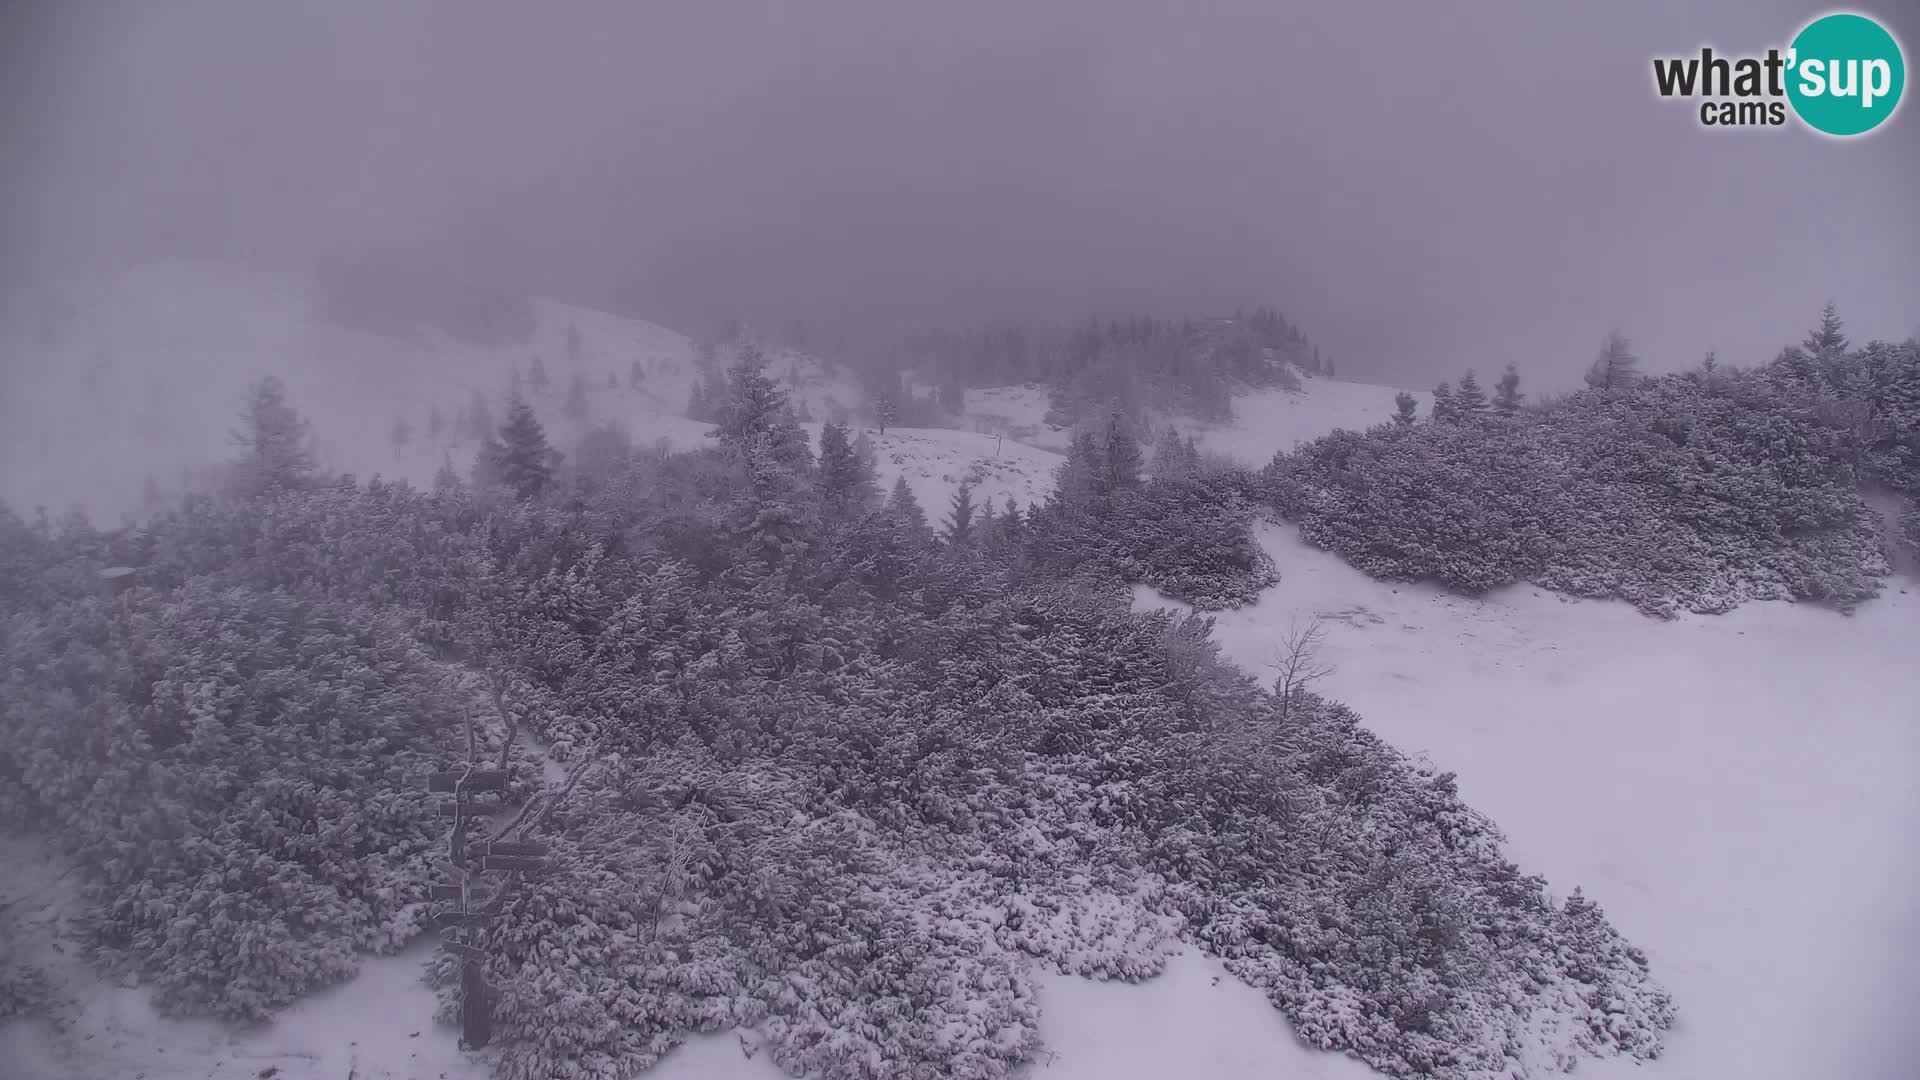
[(690, 897), (1191, 539), (238, 775), (1676, 494), (850, 784)]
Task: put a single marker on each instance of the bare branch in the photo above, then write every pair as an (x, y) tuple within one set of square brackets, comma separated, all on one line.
[(1297, 658)]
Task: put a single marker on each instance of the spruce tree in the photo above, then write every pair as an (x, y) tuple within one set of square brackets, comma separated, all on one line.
[(538, 376), (885, 410), (636, 375), (613, 381), (1010, 528), (1443, 410), (401, 435), (274, 441), (1405, 408), (436, 424), (573, 343), (1506, 393), (1123, 459), (1169, 456), (487, 462), (960, 517), (903, 507), (446, 479), (761, 441), (697, 406), (846, 483), (526, 461), (753, 418), (1830, 337), (1083, 478), (1616, 366), (1469, 400), (516, 385)]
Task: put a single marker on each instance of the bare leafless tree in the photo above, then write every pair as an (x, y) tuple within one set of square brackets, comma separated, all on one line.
[(1297, 659)]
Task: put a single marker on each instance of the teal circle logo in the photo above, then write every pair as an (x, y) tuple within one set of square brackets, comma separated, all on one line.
[(1845, 74)]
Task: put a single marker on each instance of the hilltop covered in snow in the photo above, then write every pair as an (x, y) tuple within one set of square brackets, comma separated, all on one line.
[(139, 375)]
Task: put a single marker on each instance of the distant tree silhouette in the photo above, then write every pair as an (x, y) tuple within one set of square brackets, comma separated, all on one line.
[(1405, 408), (1506, 393), (1616, 366)]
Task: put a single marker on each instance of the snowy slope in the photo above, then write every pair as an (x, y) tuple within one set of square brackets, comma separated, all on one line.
[(1736, 791), (151, 365), (1269, 421), (1019, 412), (936, 461), (1263, 421)]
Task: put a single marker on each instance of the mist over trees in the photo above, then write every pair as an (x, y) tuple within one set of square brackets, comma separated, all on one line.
[(1187, 366)]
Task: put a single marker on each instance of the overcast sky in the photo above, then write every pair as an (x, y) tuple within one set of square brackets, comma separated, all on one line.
[(1422, 186)]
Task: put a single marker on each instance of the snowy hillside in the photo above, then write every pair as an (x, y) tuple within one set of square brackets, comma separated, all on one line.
[(1734, 790), (1267, 422), (936, 461), (139, 374), (142, 372), (1019, 412), (1264, 421)]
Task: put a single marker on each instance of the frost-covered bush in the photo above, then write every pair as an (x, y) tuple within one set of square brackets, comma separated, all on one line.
[(691, 897), (850, 848), (1191, 539), (1409, 940), (851, 782), (238, 775), (1678, 493)]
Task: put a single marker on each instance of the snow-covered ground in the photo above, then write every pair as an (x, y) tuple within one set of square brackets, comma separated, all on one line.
[(150, 369), (1017, 412), (936, 461), (1270, 421), (1263, 422), (1736, 791)]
